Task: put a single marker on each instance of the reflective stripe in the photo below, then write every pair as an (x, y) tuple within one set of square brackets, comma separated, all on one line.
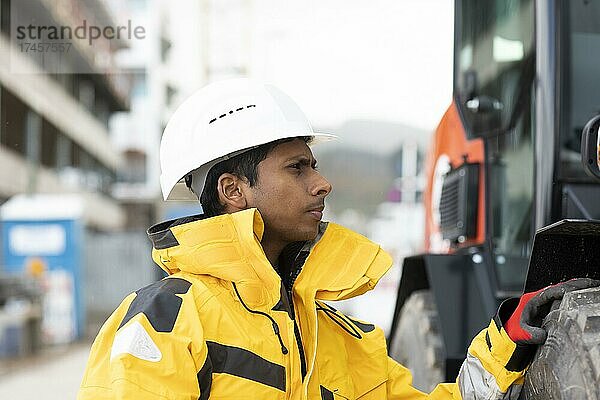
[(205, 379), (475, 383), (245, 364)]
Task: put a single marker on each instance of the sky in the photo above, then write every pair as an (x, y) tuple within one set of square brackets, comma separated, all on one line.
[(341, 60), (388, 60)]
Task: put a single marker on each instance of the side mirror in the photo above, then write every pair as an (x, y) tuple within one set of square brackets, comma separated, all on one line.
[(590, 148)]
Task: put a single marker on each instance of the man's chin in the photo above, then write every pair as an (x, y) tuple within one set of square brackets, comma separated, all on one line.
[(310, 233)]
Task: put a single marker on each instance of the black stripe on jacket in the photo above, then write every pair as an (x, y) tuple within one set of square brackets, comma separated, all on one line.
[(245, 364)]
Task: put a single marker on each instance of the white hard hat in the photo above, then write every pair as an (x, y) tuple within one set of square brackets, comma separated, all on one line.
[(221, 120)]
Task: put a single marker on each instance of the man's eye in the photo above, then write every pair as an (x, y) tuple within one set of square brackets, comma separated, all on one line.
[(296, 166)]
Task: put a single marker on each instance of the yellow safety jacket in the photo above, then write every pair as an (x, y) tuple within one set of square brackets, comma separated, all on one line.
[(220, 325)]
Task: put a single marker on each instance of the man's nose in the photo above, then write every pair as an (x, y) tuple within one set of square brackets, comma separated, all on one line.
[(321, 187)]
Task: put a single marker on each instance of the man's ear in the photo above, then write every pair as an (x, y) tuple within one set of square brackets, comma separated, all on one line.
[(231, 191)]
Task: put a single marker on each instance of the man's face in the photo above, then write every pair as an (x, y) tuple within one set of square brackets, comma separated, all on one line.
[(289, 193)]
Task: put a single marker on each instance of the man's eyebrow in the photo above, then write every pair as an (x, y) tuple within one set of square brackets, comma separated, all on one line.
[(304, 160)]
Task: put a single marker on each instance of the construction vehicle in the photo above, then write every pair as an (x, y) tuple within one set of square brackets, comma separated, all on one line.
[(505, 162)]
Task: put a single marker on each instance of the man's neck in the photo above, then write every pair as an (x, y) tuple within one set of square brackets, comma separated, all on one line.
[(272, 249)]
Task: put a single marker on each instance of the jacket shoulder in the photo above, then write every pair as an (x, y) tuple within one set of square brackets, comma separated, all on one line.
[(152, 343), (160, 302)]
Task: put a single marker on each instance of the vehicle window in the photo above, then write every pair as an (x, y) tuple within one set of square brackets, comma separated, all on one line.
[(580, 86), (511, 182), (494, 62)]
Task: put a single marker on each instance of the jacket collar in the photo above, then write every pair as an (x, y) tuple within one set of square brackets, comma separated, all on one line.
[(341, 263)]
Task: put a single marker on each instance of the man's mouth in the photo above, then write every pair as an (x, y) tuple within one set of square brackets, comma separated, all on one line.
[(317, 212)]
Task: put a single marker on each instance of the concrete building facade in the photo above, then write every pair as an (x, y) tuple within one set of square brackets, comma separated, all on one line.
[(55, 110)]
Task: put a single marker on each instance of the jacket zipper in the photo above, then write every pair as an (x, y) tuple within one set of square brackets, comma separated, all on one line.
[(289, 292), (306, 374), (284, 349)]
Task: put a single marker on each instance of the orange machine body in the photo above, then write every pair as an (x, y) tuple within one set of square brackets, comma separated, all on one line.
[(450, 145)]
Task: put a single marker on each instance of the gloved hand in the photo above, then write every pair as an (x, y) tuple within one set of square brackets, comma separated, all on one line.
[(523, 326)]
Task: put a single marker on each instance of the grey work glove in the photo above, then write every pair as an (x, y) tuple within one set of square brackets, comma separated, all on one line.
[(524, 325)]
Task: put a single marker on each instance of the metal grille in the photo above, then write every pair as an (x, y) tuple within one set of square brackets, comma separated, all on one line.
[(458, 203)]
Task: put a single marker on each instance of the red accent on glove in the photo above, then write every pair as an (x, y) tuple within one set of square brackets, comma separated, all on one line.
[(524, 325), (513, 325)]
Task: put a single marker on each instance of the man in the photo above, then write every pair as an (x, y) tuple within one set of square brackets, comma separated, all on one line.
[(243, 312)]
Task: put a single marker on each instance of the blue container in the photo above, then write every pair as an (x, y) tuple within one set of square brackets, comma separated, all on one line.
[(56, 244)]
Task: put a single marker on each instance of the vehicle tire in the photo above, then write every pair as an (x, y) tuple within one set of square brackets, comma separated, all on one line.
[(567, 365), (417, 342)]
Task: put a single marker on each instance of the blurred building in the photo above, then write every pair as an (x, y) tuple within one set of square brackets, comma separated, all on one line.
[(189, 43), (165, 68), (55, 110), (136, 133)]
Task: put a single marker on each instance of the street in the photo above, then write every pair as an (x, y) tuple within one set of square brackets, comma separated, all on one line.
[(54, 375)]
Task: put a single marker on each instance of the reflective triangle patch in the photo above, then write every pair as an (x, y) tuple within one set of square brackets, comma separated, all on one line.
[(133, 339)]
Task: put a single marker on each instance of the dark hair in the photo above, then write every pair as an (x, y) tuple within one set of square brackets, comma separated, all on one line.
[(243, 165)]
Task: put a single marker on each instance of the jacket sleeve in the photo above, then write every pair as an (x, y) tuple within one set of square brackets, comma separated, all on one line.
[(146, 349), (494, 370), (495, 366)]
